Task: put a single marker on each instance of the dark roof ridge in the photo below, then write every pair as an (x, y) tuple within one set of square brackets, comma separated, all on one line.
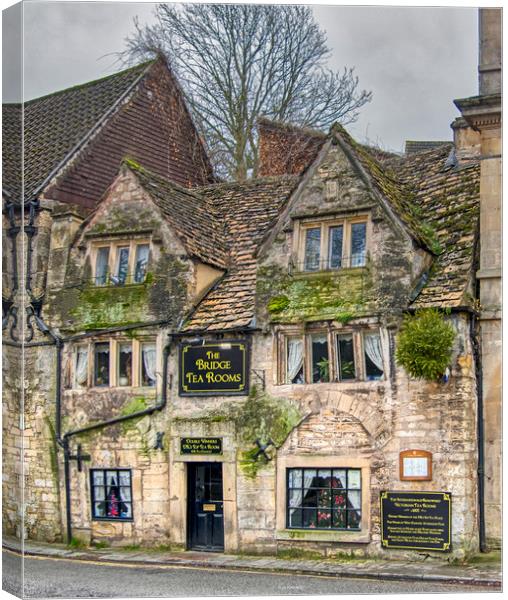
[(86, 84)]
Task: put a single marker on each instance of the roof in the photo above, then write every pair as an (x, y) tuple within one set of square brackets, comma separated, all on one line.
[(55, 124), (414, 147), (248, 210), (193, 217), (448, 202), (435, 201), (386, 182)]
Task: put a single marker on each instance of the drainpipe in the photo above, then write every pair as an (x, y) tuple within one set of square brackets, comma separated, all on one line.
[(480, 435)]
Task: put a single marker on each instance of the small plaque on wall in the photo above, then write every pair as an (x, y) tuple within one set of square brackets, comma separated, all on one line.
[(415, 465)]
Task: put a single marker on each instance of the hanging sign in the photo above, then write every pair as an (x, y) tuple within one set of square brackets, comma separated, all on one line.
[(201, 445), (416, 520), (214, 369)]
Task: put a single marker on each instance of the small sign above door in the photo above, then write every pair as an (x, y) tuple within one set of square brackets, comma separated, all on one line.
[(200, 445)]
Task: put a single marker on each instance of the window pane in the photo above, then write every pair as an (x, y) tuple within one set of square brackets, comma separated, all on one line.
[(335, 247), (122, 264), (124, 477), (373, 356), (101, 376), (354, 500), (312, 248), (100, 493), (320, 363), (295, 478), (339, 519), (99, 509), (346, 357), (354, 479), (142, 251), (295, 518), (101, 266), (294, 360), (81, 367), (125, 364), (339, 479), (98, 477), (358, 244), (354, 519), (148, 355)]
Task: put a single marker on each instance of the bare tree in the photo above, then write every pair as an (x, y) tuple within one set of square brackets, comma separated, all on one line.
[(239, 62)]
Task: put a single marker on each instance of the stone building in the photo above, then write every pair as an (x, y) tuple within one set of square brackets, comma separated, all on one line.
[(213, 366)]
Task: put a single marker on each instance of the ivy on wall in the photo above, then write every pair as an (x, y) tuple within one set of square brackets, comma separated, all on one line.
[(264, 418), (424, 344)]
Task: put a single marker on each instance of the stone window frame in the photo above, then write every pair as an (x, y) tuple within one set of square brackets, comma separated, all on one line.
[(326, 223), (94, 486), (331, 507), (114, 245), (357, 332), (355, 536), (114, 344)]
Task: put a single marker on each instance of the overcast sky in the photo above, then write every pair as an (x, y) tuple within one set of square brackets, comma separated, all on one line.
[(414, 60)]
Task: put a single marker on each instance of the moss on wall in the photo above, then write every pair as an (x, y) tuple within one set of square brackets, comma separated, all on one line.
[(339, 295), (100, 307)]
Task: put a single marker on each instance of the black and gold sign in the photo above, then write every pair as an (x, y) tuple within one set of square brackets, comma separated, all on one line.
[(416, 520), (201, 445), (214, 369)]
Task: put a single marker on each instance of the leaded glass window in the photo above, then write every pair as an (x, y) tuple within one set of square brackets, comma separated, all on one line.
[(312, 249), (358, 244), (142, 251), (124, 364), (101, 266), (122, 264), (320, 362), (345, 357), (335, 247), (111, 494), (324, 498), (101, 367)]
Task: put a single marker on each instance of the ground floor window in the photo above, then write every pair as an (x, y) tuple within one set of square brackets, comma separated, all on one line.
[(111, 494), (324, 498)]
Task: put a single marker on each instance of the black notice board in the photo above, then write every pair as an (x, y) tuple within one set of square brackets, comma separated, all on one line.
[(416, 520), (200, 445), (214, 368)]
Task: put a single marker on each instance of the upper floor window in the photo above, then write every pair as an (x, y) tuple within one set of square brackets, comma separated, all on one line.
[(335, 244), (325, 356), (120, 263), (115, 363)]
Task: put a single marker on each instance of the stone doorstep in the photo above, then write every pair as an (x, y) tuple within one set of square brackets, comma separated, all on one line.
[(388, 570)]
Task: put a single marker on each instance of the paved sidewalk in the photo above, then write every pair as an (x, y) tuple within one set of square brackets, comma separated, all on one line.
[(485, 573)]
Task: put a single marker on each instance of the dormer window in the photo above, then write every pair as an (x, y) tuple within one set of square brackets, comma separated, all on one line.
[(120, 263), (333, 244)]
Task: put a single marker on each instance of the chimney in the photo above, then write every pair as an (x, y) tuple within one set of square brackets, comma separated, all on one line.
[(286, 149)]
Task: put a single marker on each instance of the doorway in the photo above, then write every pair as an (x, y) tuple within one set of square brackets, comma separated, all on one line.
[(205, 510)]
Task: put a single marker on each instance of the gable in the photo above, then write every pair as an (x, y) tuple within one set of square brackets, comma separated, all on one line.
[(152, 126)]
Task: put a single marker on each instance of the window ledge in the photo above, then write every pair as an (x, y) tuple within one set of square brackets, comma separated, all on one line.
[(351, 537)]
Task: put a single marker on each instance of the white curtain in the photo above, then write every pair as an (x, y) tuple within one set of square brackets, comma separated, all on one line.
[(295, 358), (149, 361), (297, 498), (372, 343), (82, 366)]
